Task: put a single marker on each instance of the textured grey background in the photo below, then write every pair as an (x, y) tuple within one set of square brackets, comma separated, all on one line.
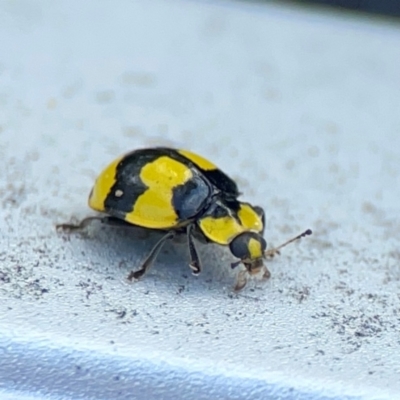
[(302, 108)]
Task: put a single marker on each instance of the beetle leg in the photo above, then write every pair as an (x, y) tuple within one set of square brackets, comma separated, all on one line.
[(112, 221), (194, 257), (151, 257), (79, 226), (241, 280), (266, 275), (236, 264)]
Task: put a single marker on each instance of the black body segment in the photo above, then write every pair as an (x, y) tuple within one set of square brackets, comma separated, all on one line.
[(191, 198)]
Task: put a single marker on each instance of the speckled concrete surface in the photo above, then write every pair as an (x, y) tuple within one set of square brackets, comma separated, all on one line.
[(301, 108)]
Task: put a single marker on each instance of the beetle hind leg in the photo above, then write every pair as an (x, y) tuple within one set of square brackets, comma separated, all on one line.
[(148, 262), (81, 225), (85, 222), (195, 264)]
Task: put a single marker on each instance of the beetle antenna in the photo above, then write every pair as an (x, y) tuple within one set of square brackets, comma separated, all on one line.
[(275, 250)]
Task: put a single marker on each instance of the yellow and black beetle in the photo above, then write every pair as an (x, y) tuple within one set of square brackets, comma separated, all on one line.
[(178, 191)]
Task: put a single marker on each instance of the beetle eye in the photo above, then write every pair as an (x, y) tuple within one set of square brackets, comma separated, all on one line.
[(248, 246), (238, 247)]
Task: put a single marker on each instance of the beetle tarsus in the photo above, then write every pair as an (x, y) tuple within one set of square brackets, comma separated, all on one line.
[(195, 268), (241, 280), (85, 222), (136, 275), (195, 264), (266, 275), (79, 226)]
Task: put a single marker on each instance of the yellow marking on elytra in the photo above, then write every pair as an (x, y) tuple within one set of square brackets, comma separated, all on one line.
[(102, 186), (154, 209), (255, 249), (249, 218), (198, 160), (220, 230)]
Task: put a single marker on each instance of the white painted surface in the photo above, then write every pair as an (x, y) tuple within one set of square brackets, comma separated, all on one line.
[(302, 108)]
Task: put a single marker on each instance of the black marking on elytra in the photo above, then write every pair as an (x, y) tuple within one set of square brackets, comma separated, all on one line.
[(191, 198), (128, 180), (216, 177)]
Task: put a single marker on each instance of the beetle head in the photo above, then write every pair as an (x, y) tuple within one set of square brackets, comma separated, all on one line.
[(249, 247)]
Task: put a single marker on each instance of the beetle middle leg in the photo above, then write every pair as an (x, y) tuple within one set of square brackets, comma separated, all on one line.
[(195, 264), (151, 257)]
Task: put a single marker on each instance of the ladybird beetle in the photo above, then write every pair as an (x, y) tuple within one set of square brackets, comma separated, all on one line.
[(178, 191)]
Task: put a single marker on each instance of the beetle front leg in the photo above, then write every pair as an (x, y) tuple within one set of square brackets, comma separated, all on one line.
[(241, 280), (195, 264), (266, 274)]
